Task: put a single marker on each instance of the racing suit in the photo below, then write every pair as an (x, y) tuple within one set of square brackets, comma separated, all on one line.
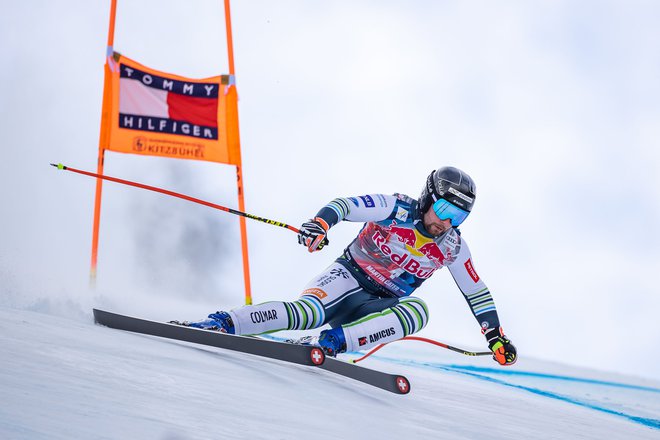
[(368, 289)]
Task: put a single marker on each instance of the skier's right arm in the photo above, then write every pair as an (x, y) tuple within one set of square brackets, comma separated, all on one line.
[(373, 207)]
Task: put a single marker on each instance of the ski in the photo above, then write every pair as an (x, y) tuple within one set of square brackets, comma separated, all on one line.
[(297, 354), (268, 348), (389, 382)]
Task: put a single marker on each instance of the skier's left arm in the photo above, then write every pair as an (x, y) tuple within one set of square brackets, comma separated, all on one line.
[(482, 305)]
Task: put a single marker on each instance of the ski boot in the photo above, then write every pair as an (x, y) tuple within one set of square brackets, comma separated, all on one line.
[(218, 321), (332, 341)]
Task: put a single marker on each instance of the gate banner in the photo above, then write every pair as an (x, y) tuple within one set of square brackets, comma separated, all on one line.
[(154, 113)]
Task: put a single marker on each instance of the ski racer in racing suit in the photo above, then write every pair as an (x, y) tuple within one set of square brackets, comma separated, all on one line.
[(365, 295)]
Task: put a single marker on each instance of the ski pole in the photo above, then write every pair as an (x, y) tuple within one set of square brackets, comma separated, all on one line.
[(430, 341), (174, 194)]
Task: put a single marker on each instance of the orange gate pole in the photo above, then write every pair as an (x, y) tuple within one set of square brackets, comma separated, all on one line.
[(239, 171), (102, 142)]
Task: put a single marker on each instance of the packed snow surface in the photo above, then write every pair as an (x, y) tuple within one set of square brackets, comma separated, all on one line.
[(67, 378)]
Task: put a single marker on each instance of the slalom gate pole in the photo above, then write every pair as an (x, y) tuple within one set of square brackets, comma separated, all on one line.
[(430, 341), (178, 195)]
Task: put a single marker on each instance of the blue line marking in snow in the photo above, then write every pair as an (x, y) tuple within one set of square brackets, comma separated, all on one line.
[(474, 372), (653, 423), (552, 376)]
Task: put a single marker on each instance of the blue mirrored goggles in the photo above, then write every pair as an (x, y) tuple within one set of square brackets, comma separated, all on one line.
[(447, 210)]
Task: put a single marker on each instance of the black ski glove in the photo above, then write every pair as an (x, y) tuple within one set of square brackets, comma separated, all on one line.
[(504, 352), (313, 234)]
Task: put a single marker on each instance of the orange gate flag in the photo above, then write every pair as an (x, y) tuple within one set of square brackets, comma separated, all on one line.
[(160, 114)]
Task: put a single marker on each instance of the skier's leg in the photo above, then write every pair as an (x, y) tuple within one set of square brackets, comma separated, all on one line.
[(337, 292), (305, 313), (318, 302), (408, 316)]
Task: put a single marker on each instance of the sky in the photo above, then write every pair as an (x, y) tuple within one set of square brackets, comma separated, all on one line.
[(552, 107)]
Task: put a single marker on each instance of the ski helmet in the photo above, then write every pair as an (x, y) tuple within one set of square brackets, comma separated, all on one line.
[(451, 184)]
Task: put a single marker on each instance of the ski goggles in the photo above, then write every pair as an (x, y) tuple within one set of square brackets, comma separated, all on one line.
[(447, 210)]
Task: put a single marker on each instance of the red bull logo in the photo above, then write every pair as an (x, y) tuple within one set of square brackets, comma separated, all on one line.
[(432, 252), (417, 244), (405, 235), (414, 247)]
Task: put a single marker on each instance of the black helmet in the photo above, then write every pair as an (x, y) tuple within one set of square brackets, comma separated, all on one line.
[(451, 184)]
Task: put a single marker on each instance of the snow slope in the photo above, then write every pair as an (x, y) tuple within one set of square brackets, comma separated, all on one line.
[(66, 378)]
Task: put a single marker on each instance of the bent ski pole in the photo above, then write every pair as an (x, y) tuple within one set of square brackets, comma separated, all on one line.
[(430, 341), (174, 194)]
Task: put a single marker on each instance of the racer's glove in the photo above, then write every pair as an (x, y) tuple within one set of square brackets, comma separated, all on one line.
[(504, 352), (313, 234)]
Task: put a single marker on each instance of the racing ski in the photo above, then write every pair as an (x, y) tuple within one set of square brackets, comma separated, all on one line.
[(298, 354), (388, 382), (269, 348)]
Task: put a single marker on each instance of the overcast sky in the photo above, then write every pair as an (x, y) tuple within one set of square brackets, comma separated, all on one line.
[(553, 107)]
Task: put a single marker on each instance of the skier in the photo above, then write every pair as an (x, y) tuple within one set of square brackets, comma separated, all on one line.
[(365, 295)]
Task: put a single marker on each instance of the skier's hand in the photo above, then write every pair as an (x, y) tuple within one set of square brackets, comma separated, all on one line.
[(504, 352), (313, 234)]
